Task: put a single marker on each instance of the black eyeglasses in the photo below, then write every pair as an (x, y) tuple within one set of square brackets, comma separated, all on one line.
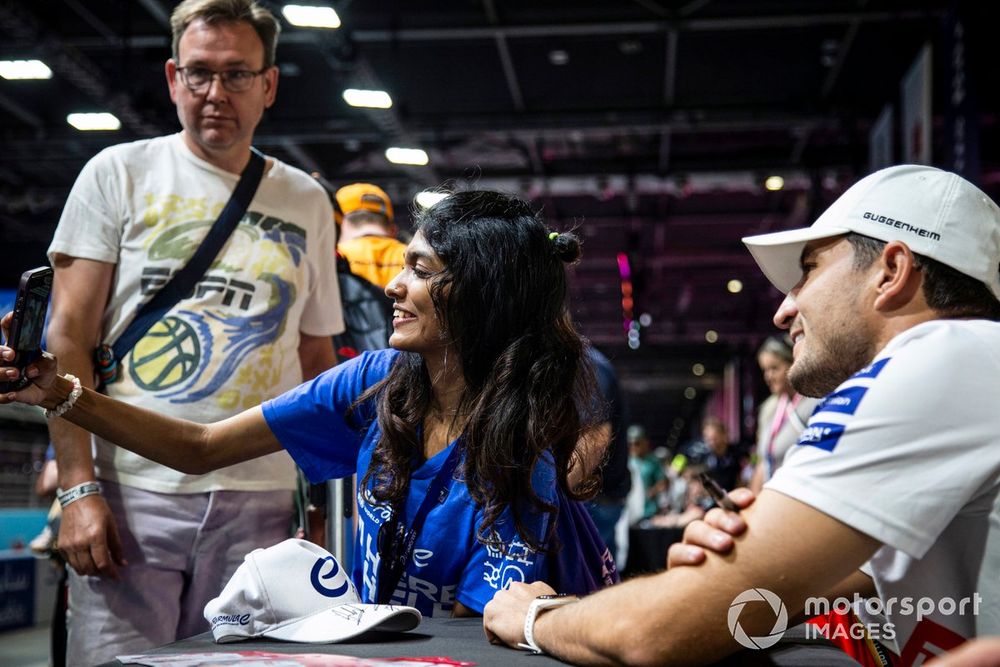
[(199, 79)]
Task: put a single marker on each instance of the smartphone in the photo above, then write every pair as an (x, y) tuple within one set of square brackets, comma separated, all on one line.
[(25, 332)]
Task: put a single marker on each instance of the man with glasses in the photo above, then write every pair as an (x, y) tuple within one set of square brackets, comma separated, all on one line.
[(154, 546)]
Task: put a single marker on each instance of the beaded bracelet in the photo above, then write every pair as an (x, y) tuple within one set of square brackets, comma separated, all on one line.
[(66, 405), (73, 494)]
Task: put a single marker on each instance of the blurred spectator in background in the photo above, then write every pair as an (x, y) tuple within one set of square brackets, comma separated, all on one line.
[(784, 414), (695, 503), (714, 452), (648, 467), (676, 495), (368, 233), (45, 488)]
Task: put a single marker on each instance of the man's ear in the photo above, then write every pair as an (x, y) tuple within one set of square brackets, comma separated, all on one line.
[(170, 69), (899, 279), (270, 86)]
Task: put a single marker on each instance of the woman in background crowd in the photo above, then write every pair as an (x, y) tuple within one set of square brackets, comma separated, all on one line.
[(781, 417)]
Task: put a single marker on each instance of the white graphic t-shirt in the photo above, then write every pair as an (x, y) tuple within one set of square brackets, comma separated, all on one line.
[(908, 451), (231, 344)]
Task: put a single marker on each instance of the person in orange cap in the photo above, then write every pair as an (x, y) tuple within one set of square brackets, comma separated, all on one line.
[(368, 233)]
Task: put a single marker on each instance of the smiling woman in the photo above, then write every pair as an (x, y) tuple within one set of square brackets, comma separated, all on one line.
[(462, 435)]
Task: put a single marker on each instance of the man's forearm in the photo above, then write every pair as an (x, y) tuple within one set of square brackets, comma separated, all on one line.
[(316, 355), (74, 457), (645, 621), (681, 616)]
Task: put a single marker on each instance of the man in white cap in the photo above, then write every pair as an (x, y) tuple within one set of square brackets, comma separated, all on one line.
[(892, 302)]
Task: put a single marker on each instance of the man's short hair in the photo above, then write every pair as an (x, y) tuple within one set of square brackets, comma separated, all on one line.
[(947, 291), (227, 11), (363, 217)]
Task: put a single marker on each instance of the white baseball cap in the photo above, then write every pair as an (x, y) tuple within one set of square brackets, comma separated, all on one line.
[(297, 592), (937, 214)]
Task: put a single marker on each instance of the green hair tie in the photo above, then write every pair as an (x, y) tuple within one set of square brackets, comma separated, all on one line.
[(553, 236)]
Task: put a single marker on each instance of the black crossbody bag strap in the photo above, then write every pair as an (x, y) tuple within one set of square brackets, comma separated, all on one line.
[(183, 281)]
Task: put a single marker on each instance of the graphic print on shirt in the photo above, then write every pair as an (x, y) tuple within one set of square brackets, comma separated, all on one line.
[(831, 416), (501, 570), (415, 589), (237, 309)]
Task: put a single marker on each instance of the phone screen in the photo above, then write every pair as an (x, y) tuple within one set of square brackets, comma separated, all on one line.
[(29, 337), (30, 308), (28, 322)]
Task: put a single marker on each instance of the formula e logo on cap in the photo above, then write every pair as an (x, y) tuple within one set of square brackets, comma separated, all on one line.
[(315, 577), (780, 620)]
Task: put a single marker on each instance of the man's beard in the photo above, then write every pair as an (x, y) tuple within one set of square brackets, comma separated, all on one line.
[(846, 353)]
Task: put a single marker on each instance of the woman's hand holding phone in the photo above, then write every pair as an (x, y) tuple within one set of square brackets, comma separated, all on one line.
[(41, 372)]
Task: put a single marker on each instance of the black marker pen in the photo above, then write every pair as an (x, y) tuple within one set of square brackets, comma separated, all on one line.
[(717, 493)]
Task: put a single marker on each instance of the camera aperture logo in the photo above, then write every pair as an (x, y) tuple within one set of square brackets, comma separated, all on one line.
[(780, 618)]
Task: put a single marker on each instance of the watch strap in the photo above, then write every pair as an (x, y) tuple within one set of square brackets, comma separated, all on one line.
[(537, 606)]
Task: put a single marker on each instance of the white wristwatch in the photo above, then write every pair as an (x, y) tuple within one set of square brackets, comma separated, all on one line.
[(538, 605)]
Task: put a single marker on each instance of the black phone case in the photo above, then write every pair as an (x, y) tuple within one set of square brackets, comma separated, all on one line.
[(41, 276)]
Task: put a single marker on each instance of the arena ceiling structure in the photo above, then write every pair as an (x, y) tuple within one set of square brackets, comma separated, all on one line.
[(649, 126)]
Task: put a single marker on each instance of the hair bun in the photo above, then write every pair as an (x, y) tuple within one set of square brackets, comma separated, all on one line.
[(566, 246)]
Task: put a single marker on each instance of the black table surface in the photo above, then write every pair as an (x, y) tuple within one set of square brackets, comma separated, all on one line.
[(463, 639)]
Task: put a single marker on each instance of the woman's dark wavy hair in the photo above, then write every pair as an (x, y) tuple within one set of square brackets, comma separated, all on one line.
[(528, 383)]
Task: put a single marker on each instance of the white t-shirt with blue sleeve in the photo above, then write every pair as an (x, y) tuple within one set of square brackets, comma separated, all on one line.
[(908, 451), (448, 562)]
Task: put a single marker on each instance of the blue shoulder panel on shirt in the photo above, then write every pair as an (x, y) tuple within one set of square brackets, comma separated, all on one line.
[(822, 435), (825, 434), (872, 370), (845, 401)]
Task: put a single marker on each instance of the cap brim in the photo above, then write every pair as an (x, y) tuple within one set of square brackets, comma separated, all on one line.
[(346, 621), (778, 254)]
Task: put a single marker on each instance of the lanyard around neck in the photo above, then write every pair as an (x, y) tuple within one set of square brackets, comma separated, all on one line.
[(436, 493)]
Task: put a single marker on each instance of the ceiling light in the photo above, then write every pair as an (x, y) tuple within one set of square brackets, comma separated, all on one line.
[(24, 69), (690, 393), (94, 121), (372, 99), (698, 369), (711, 335), (735, 286), (427, 198), (558, 57), (412, 156), (774, 183), (307, 16)]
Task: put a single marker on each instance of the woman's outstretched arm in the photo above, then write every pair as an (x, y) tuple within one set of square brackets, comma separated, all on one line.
[(183, 445)]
